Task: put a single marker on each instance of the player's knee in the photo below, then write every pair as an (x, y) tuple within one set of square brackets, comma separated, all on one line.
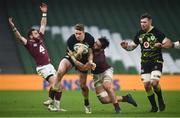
[(60, 74), (103, 101), (107, 86), (83, 87), (155, 83), (103, 97), (147, 86)]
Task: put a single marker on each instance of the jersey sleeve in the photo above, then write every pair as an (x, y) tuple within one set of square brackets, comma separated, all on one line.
[(70, 42), (160, 35), (91, 42), (136, 38), (28, 44)]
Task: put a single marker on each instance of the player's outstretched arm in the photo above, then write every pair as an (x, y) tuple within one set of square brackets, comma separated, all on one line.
[(90, 56), (90, 59), (16, 32), (128, 46), (44, 9), (166, 43)]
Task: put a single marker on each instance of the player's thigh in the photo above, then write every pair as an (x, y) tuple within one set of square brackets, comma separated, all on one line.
[(64, 66), (146, 78), (82, 78), (102, 95), (99, 88), (107, 78)]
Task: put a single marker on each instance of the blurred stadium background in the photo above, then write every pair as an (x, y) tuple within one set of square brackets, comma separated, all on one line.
[(116, 19)]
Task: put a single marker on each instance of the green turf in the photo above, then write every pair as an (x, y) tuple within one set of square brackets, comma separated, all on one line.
[(29, 104)]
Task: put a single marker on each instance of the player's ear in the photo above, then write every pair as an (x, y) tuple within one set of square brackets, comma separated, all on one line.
[(31, 36)]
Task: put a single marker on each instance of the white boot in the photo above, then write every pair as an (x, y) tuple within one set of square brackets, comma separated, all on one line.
[(48, 102), (87, 109), (55, 107)]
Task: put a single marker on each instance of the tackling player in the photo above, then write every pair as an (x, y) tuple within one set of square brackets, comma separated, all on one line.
[(102, 76)]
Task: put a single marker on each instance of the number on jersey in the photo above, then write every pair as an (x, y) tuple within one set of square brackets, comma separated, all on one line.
[(41, 49)]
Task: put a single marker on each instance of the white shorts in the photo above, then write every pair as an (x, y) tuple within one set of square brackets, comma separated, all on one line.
[(105, 76), (154, 75), (46, 70)]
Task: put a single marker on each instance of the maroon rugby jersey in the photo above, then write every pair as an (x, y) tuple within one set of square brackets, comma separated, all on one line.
[(38, 51), (100, 61)]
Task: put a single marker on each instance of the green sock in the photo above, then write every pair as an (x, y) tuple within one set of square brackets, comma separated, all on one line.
[(158, 92), (151, 98)]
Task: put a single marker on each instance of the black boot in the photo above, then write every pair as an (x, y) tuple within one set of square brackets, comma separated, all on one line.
[(161, 103), (153, 103)]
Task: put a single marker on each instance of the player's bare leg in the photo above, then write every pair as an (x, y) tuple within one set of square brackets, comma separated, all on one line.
[(149, 90), (104, 98), (102, 95), (107, 85), (151, 97), (51, 81), (85, 91), (157, 90), (64, 66)]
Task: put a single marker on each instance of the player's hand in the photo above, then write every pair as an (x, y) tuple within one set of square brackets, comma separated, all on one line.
[(124, 44), (158, 45), (80, 50), (93, 66), (90, 66), (44, 7), (11, 22), (70, 53)]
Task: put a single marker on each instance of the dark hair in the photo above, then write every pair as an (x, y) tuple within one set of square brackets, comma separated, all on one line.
[(30, 32), (146, 15), (104, 42), (79, 27)]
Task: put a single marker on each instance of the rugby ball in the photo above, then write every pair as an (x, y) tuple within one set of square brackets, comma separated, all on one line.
[(77, 45)]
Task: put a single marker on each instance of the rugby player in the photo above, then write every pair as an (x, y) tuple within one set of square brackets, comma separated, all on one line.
[(102, 75), (34, 43), (149, 37)]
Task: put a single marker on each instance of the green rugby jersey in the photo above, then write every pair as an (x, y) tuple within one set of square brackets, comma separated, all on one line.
[(147, 40)]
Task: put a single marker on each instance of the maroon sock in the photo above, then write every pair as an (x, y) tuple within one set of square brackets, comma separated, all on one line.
[(124, 98), (58, 96), (116, 107)]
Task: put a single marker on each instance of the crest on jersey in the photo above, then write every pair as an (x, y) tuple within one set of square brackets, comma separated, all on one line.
[(146, 44), (152, 38)]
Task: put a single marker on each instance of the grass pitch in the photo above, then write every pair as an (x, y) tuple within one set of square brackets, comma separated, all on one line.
[(29, 104)]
